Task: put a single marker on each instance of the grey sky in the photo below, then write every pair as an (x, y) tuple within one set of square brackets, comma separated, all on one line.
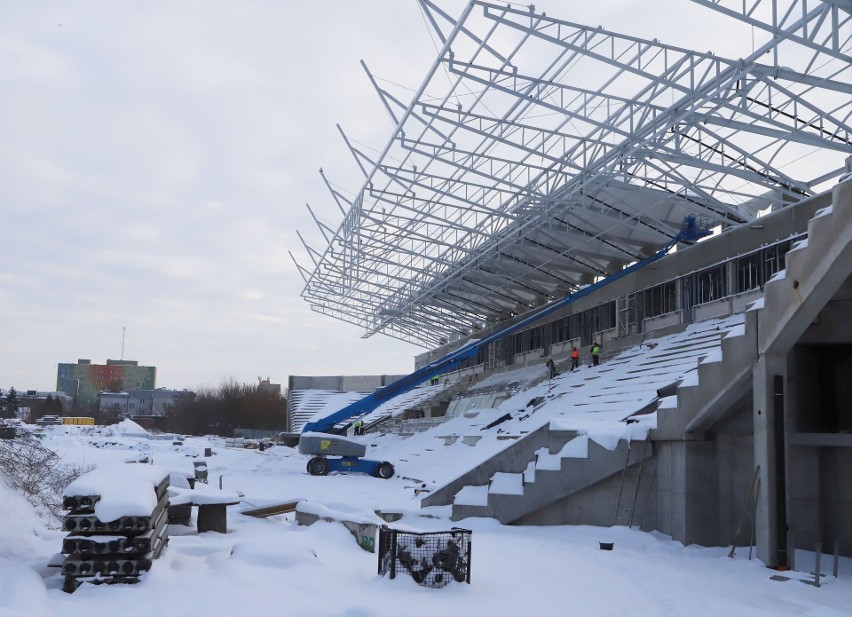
[(155, 162)]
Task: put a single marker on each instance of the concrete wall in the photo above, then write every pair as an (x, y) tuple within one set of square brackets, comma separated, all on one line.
[(593, 505), (709, 310), (734, 459), (340, 383), (661, 321), (820, 502), (819, 470), (687, 503)]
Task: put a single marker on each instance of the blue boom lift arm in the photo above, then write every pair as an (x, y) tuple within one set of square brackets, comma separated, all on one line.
[(690, 233)]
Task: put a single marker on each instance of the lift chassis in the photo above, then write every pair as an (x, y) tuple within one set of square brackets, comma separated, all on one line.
[(347, 456)]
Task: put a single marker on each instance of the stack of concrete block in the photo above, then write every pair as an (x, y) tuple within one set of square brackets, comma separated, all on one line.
[(116, 551)]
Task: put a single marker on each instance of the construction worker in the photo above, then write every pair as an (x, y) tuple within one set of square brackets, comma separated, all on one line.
[(596, 354), (359, 427), (575, 358), (551, 366)]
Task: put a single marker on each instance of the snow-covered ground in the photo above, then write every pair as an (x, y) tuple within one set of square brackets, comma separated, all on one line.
[(274, 565)]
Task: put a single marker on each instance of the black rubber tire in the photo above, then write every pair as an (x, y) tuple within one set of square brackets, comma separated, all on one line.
[(318, 466), (385, 470)]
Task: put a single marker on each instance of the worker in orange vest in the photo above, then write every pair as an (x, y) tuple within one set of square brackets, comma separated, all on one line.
[(575, 358)]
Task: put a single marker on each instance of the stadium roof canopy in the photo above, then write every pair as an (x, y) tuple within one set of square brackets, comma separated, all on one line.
[(540, 154)]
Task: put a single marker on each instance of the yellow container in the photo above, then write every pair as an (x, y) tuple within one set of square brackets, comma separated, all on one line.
[(79, 421)]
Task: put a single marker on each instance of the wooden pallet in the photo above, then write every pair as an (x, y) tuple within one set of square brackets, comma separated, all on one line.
[(280, 508)]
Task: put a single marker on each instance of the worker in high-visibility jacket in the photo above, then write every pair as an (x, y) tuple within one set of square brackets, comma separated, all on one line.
[(575, 358), (596, 354)]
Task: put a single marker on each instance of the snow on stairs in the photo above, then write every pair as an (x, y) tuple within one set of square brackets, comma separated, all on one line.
[(815, 270), (707, 393), (794, 296), (640, 375), (519, 480), (304, 405), (580, 463)]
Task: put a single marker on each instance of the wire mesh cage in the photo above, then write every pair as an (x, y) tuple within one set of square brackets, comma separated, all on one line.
[(433, 559)]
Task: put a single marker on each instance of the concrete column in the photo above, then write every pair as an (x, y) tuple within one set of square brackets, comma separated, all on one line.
[(771, 527)]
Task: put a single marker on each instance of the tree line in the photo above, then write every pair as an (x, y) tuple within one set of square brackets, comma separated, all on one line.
[(221, 409), (11, 403)]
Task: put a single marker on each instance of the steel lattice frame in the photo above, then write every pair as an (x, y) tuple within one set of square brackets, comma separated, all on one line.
[(571, 152)]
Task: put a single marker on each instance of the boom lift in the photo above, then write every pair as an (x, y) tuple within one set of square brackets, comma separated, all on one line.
[(322, 445), (690, 232)]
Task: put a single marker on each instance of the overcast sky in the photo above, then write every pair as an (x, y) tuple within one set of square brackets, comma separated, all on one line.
[(155, 162)]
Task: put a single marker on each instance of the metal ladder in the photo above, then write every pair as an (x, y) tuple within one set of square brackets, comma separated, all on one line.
[(628, 490)]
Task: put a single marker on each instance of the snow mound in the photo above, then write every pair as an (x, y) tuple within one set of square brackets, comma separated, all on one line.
[(259, 552), (339, 512), (125, 426), (17, 537), (22, 592)]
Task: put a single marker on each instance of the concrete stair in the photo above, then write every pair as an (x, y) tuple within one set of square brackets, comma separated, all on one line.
[(721, 379), (406, 427), (513, 459), (794, 296), (815, 271), (442, 397), (580, 464), (525, 477)]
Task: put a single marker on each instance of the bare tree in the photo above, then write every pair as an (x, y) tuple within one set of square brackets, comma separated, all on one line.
[(38, 473), (231, 405)]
